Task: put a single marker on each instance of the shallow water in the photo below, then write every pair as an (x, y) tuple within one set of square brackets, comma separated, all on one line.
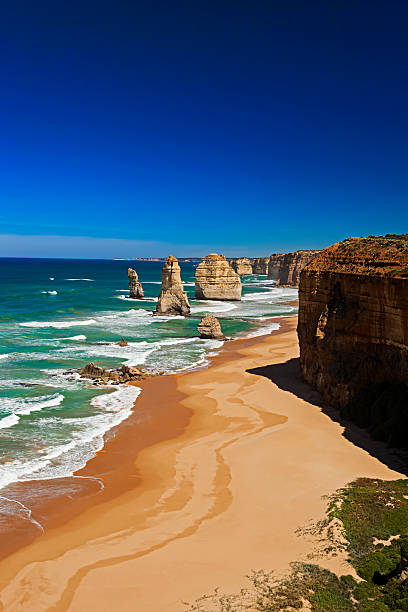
[(58, 315)]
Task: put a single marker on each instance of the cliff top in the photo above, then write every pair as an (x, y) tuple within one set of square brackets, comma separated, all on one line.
[(213, 256), (171, 258), (373, 256)]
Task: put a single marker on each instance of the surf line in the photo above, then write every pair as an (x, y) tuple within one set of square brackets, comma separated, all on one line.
[(29, 516)]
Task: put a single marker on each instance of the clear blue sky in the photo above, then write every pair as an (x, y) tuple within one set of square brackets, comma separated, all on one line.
[(143, 128)]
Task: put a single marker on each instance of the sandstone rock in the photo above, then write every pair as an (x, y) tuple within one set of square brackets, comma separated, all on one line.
[(122, 375), (172, 299), (216, 280), (353, 331), (260, 265), (242, 266), (122, 342), (285, 268), (209, 327), (92, 371), (135, 288), (274, 265)]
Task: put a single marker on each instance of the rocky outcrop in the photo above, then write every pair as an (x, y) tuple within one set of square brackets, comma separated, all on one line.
[(216, 280), (285, 268), (172, 299), (242, 266), (135, 288), (260, 265), (113, 377), (122, 342), (209, 327), (353, 331)]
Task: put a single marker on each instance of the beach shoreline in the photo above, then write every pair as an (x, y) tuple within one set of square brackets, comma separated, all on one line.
[(195, 482)]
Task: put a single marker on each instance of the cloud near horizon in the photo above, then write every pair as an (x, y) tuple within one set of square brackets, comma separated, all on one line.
[(88, 247)]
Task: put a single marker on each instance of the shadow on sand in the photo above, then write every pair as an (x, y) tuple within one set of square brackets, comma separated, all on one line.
[(287, 376)]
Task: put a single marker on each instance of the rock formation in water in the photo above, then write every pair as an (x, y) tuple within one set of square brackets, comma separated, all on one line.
[(260, 265), (135, 288), (122, 342), (172, 299), (285, 268), (242, 265), (353, 331), (113, 377), (209, 327), (216, 280)]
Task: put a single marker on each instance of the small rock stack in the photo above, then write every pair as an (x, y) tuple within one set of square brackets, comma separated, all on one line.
[(135, 288), (209, 328)]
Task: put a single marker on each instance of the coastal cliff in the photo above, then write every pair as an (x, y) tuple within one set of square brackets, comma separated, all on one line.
[(285, 268), (242, 265), (353, 331), (135, 288), (260, 265), (172, 299), (216, 280)]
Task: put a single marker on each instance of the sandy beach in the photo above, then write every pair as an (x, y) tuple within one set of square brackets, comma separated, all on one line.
[(209, 478)]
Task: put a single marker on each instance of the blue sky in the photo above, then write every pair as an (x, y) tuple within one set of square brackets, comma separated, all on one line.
[(143, 128)]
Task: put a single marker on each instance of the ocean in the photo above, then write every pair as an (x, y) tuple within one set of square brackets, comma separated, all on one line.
[(58, 315)]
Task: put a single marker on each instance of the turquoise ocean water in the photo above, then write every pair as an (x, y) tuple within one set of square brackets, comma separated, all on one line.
[(58, 315)]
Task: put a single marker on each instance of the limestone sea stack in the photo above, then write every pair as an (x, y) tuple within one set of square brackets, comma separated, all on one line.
[(135, 288), (242, 266), (286, 268), (172, 299), (260, 265), (209, 327), (353, 331), (216, 280)]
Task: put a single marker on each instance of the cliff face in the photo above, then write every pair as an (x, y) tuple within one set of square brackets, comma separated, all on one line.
[(135, 288), (274, 265), (260, 265), (286, 268), (216, 280), (242, 266), (353, 331), (172, 299)]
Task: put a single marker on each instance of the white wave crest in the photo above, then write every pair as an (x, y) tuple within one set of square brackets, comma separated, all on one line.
[(90, 280), (25, 406), (263, 330), (50, 292), (212, 306), (58, 324)]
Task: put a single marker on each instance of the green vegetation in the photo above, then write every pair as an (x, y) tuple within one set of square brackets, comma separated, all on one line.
[(374, 516)]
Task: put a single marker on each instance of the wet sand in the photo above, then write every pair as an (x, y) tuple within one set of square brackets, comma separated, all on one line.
[(209, 478)]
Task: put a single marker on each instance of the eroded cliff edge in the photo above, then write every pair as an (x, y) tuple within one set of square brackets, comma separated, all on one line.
[(353, 331), (285, 268)]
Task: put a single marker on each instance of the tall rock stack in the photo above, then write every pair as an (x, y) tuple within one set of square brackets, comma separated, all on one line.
[(260, 265), (353, 331), (216, 280), (135, 288), (172, 299), (242, 266), (285, 268)]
